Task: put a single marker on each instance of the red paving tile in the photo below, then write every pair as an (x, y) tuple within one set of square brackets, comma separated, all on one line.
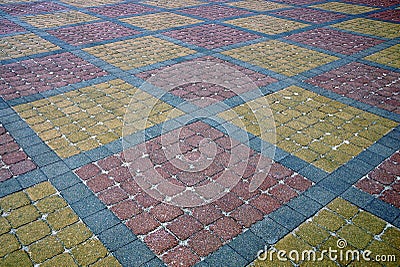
[(383, 181), (334, 40), (367, 84), (7, 27), (20, 9), (13, 161), (375, 3), (388, 15), (160, 241), (184, 226), (91, 33), (180, 256), (310, 15), (31, 76), (211, 36), (215, 12)]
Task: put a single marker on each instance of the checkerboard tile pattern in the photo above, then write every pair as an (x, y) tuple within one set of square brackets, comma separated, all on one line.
[(70, 80), (139, 52), (199, 231), (38, 227), (280, 57)]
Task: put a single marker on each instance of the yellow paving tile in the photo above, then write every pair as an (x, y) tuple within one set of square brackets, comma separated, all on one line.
[(160, 21), (84, 3), (139, 52), (389, 56), (267, 24), (344, 8), (173, 4), (258, 5), (316, 135), (24, 45), (58, 19), (372, 27)]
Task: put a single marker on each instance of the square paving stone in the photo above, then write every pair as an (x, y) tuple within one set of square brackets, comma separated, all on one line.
[(58, 19), (371, 27)]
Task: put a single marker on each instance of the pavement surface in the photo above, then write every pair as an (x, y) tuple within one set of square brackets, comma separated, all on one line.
[(85, 174)]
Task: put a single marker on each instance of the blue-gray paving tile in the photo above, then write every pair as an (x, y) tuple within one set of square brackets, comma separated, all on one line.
[(304, 205), (76, 192), (31, 178), (9, 119), (357, 197), (333, 184), (9, 186), (201, 264), (269, 230), (247, 245), (383, 210), (320, 194), (134, 254), (280, 154), (55, 169), (98, 153), (287, 217), (101, 221), (293, 163), (370, 157), (226, 256), (24, 132), (155, 262), (313, 173), (115, 146), (346, 175), (17, 125), (116, 237), (88, 206), (28, 141), (36, 149), (389, 142), (396, 222), (77, 161), (359, 166), (65, 180), (45, 158), (382, 150)]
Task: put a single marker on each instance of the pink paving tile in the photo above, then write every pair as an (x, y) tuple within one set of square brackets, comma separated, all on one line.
[(383, 181), (334, 40), (367, 84), (211, 36), (13, 161), (204, 94), (91, 33), (310, 15), (200, 230), (377, 3), (120, 10), (7, 27), (34, 8), (299, 2), (388, 15), (215, 12), (32, 76)]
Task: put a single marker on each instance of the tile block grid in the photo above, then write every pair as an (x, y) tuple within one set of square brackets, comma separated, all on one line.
[(338, 220), (38, 227), (182, 236)]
